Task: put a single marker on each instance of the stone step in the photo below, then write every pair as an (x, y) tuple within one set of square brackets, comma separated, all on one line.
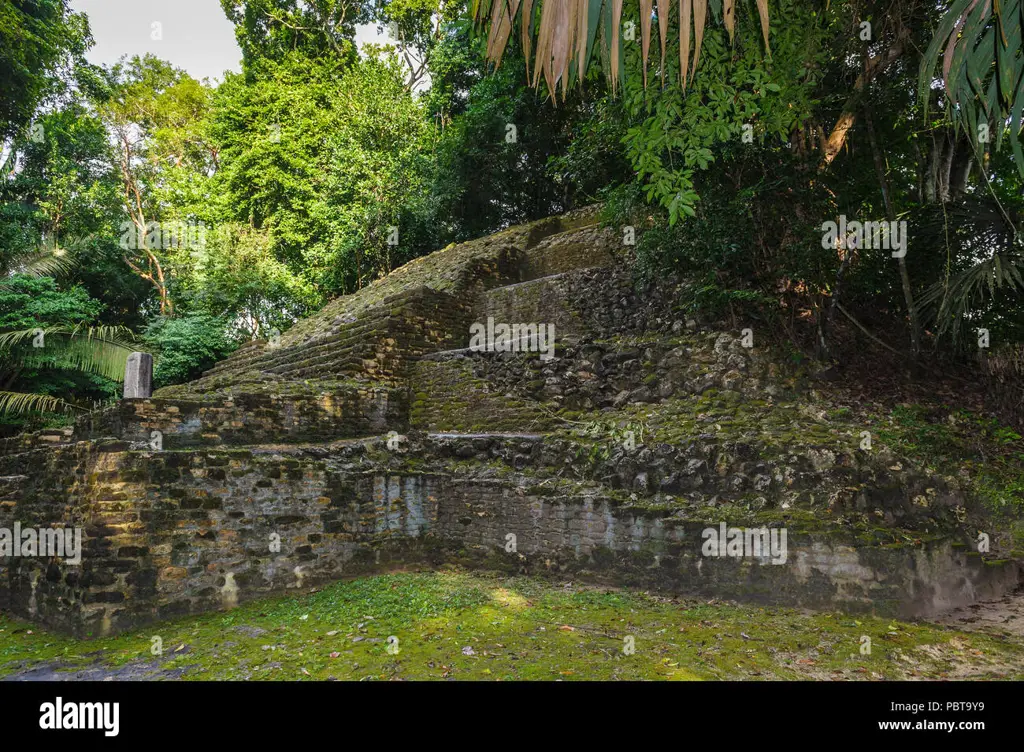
[(327, 446), (256, 356), (269, 357), (245, 353), (400, 326), (458, 435), (446, 354), (535, 280), (582, 247)]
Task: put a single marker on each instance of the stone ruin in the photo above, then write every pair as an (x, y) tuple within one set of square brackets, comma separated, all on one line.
[(369, 437)]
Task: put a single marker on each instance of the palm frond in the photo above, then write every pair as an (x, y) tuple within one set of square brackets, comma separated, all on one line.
[(19, 403), (979, 42), (7, 164), (48, 260), (100, 350), (566, 31), (949, 304), (43, 263)]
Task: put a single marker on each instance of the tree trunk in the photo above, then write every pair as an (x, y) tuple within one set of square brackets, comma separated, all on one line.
[(919, 186), (890, 210), (960, 172), (872, 67), (948, 169)]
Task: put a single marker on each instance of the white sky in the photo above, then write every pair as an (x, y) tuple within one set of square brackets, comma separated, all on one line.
[(195, 34)]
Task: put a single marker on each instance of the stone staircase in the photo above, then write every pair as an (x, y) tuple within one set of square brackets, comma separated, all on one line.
[(370, 435)]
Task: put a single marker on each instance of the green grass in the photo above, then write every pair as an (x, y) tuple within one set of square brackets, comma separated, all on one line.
[(453, 625)]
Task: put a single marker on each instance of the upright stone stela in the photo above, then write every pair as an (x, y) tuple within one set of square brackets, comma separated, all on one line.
[(138, 376)]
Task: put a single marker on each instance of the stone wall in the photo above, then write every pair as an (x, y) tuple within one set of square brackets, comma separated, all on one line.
[(36, 440), (599, 538), (319, 411), (448, 396), (279, 469), (176, 532), (522, 392), (170, 533), (338, 411), (587, 303), (586, 248)]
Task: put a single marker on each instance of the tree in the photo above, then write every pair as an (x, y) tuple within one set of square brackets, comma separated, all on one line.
[(60, 211), (497, 161), (330, 160), (156, 114), (37, 37), (269, 31), (186, 346), (417, 27)]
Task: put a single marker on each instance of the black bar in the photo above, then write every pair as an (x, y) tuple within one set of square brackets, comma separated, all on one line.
[(734, 712)]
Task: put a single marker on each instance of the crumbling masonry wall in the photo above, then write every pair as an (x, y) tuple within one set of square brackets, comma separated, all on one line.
[(278, 469), (179, 532)]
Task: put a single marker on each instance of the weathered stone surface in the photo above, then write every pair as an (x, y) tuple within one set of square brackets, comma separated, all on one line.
[(138, 376), (183, 532), (295, 463)]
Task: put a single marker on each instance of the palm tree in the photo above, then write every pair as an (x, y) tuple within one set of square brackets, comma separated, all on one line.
[(98, 350), (102, 351), (982, 69), (979, 42), (989, 242)]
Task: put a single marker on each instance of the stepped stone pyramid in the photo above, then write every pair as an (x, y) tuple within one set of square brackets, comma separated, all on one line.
[(371, 436)]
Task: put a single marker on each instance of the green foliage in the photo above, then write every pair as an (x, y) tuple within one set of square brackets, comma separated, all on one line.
[(184, 347), (18, 403), (978, 273), (325, 157), (593, 163), (269, 31), (60, 211), (745, 240), (63, 189), (102, 351), (675, 133), (504, 158), (37, 38), (982, 70), (50, 356), (27, 302), (236, 275)]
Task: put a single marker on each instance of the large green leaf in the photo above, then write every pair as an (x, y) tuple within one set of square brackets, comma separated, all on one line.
[(100, 350), (982, 69), (19, 403)]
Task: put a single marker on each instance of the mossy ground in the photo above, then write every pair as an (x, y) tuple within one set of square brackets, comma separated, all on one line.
[(454, 625)]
